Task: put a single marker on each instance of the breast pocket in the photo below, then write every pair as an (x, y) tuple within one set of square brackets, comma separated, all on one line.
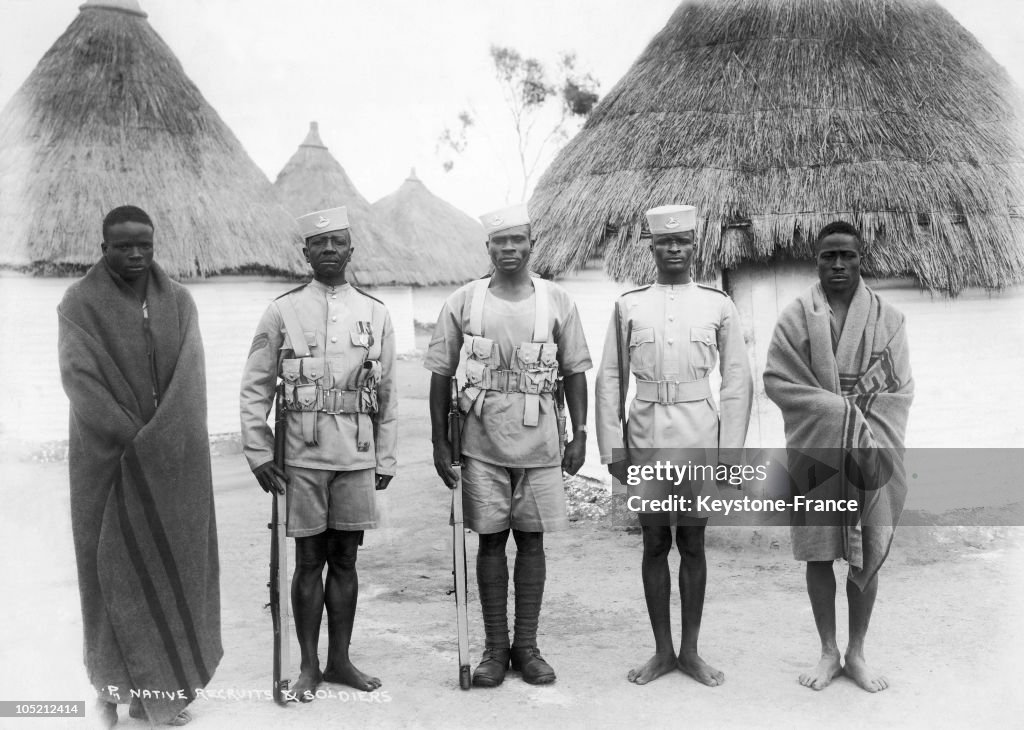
[(642, 352), (703, 347)]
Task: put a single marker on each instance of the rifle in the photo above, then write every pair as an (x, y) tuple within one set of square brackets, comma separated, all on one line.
[(623, 375), (459, 537), (278, 584), (559, 397)]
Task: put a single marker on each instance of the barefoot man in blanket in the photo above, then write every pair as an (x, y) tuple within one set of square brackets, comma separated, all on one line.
[(334, 347), (839, 369), (671, 335), (131, 360)]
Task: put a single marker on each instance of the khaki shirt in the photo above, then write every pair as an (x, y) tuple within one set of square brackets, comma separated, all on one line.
[(676, 333), (498, 435), (330, 318)]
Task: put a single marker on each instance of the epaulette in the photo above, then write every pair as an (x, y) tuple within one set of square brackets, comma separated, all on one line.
[(368, 296), (714, 289), (634, 291), (292, 291)]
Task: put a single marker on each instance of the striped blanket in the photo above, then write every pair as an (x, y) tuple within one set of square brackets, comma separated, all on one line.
[(141, 494), (845, 410)]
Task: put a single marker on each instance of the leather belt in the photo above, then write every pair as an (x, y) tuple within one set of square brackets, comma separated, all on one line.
[(510, 381), (334, 401)]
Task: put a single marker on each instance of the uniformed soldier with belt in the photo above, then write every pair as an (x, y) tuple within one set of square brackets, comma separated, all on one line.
[(672, 334), (334, 348), (519, 335)]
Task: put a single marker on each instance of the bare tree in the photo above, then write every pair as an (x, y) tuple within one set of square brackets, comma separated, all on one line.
[(543, 112)]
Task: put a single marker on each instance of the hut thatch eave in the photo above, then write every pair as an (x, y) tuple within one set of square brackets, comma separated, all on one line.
[(774, 117), (312, 180), (108, 117), (446, 244)]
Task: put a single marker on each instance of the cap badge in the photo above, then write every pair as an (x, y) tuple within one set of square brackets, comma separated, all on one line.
[(322, 222), (671, 223), (497, 220)]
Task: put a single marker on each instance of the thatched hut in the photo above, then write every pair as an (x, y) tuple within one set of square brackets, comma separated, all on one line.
[(774, 117), (447, 245), (108, 117), (314, 180)]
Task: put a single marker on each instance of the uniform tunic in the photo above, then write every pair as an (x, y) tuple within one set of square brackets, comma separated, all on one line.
[(498, 435), (678, 333), (346, 328)]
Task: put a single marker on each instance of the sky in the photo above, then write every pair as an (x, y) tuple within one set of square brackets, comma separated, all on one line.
[(385, 78)]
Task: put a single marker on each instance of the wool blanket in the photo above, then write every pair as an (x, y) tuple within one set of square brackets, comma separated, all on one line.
[(142, 509), (845, 413)]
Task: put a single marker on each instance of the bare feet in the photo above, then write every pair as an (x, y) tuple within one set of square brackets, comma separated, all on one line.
[(347, 674), (821, 676), (305, 686), (656, 666), (857, 670), (700, 670), (106, 714)]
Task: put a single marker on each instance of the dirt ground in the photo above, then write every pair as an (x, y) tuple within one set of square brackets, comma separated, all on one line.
[(947, 629)]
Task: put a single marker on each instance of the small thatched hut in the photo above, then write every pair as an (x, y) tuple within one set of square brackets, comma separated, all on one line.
[(774, 117), (314, 180), (108, 117), (446, 244)]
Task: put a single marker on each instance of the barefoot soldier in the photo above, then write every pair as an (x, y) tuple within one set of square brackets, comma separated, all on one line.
[(520, 334), (131, 360), (670, 336), (333, 345), (839, 369)]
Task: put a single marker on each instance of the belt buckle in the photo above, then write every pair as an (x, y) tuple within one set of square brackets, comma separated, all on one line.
[(665, 387)]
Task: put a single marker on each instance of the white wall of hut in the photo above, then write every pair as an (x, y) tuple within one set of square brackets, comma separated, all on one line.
[(967, 353)]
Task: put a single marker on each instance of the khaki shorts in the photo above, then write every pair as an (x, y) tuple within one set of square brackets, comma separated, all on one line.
[(340, 500), (496, 498)]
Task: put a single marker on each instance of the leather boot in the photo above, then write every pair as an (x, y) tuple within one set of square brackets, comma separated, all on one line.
[(490, 672), (527, 659)]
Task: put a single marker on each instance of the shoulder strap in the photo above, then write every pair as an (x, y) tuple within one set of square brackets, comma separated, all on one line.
[(476, 306), (541, 333), (292, 291), (293, 327), (715, 289), (368, 296)]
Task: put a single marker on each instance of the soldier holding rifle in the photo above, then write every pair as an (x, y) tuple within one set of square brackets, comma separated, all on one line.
[(520, 334), (333, 346)]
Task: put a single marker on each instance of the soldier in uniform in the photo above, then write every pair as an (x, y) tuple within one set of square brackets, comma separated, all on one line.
[(672, 334), (519, 334), (333, 345)]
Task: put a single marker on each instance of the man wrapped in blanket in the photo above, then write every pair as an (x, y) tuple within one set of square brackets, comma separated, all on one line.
[(839, 369)]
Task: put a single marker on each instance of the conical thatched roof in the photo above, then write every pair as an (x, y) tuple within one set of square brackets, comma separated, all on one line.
[(774, 117), (314, 180), (109, 117), (447, 244)]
